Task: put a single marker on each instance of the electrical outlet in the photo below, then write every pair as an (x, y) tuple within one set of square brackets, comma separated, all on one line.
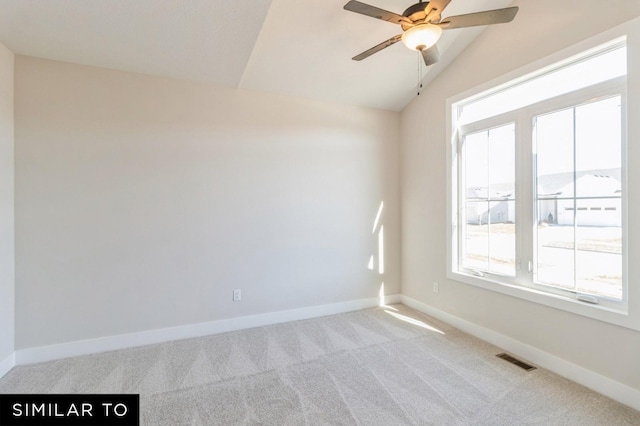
[(436, 287), (237, 295)]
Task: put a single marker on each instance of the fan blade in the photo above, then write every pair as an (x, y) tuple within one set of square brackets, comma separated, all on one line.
[(434, 9), (431, 55), (375, 12), (379, 47), (498, 16)]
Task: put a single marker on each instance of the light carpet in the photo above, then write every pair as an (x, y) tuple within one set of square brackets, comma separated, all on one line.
[(381, 366)]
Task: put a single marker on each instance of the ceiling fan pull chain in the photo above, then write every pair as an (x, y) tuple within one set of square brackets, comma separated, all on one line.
[(418, 76), (419, 72)]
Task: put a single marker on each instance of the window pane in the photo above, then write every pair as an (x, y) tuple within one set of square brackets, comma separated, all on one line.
[(579, 244), (583, 73), (554, 154), (502, 173), (502, 238), (599, 247), (598, 148), (488, 236), (475, 248), (554, 136), (476, 164), (555, 263)]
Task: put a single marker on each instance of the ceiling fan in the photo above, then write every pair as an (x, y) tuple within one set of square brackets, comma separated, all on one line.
[(422, 25)]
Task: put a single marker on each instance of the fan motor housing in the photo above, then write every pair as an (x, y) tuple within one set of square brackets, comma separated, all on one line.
[(415, 13)]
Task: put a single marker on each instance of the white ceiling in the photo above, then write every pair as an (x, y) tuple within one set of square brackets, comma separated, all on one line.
[(299, 48)]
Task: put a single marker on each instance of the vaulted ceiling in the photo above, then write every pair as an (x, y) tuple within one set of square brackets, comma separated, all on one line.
[(299, 48)]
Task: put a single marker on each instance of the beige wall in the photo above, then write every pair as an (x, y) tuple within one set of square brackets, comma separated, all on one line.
[(142, 202), (540, 29), (7, 278)]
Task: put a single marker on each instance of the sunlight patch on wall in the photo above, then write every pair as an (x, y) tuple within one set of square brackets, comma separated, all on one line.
[(375, 222), (381, 250)]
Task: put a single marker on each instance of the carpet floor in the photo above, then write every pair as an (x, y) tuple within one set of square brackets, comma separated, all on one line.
[(381, 366)]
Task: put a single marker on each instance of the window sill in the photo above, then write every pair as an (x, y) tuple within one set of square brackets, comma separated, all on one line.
[(607, 314)]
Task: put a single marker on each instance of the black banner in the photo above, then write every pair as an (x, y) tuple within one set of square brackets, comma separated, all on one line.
[(69, 410)]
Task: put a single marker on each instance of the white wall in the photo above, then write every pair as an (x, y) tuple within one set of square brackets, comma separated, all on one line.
[(141, 202), (7, 278), (540, 29)]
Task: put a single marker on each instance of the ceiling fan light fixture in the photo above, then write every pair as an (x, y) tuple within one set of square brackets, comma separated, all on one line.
[(421, 36)]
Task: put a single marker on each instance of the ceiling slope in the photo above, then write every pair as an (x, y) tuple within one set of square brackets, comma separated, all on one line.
[(305, 49), (201, 40)]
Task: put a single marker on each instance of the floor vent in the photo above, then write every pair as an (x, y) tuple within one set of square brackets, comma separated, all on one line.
[(516, 361)]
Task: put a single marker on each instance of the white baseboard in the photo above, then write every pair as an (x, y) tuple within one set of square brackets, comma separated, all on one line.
[(123, 341), (597, 382), (7, 364)]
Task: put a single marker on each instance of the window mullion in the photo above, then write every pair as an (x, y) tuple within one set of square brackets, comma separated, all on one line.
[(524, 196), (575, 204)]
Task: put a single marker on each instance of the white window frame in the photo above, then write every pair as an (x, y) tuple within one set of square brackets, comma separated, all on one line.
[(608, 311)]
